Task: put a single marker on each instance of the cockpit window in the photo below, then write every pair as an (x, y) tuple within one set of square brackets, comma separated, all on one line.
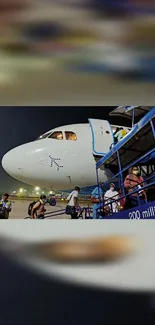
[(44, 136), (70, 136), (57, 135)]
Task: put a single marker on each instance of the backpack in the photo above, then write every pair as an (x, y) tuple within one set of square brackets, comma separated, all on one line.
[(2, 214), (52, 202), (31, 205)]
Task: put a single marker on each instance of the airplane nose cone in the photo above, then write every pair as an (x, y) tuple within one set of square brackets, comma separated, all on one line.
[(13, 164)]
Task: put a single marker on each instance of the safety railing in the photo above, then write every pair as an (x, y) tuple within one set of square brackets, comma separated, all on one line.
[(52, 214), (121, 170), (119, 175), (83, 213), (116, 199)]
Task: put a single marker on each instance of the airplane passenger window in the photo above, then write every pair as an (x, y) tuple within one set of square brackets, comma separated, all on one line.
[(58, 135), (70, 136)]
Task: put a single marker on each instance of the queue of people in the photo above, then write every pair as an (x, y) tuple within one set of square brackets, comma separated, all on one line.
[(36, 209), (108, 202), (99, 196)]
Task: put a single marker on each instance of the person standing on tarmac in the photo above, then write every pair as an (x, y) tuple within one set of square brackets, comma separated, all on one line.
[(71, 208), (38, 209), (97, 198), (5, 206)]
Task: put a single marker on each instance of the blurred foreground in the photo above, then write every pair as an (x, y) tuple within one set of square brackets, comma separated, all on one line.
[(76, 52), (36, 291)]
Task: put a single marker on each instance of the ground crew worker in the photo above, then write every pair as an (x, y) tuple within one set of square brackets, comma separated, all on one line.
[(5, 206), (97, 198)]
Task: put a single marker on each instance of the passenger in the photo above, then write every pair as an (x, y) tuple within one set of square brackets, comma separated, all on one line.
[(38, 210), (5, 206), (131, 183), (120, 134), (72, 206), (123, 201), (111, 195), (97, 197), (115, 138)]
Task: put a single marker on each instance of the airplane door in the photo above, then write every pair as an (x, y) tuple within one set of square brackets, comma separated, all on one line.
[(102, 136)]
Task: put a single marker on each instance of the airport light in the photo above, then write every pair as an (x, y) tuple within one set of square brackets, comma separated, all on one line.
[(51, 192), (21, 190), (37, 188)]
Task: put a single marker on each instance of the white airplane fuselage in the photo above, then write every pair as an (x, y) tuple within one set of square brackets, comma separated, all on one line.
[(60, 164)]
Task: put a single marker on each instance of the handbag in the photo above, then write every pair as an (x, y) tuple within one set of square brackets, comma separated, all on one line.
[(2, 214), (70, 209)]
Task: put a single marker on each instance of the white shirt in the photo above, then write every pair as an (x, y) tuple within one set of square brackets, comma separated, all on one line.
[(112, 194), (71, 197)]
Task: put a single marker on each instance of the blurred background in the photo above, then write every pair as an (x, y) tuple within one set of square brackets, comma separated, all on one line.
[(77, 52)]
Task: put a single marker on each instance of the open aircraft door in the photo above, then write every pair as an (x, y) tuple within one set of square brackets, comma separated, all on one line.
[(102, 136)]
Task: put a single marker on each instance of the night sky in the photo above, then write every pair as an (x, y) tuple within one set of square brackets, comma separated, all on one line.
[(23, 124)]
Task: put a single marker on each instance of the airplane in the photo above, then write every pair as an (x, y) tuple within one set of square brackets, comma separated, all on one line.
[(63, 157)]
